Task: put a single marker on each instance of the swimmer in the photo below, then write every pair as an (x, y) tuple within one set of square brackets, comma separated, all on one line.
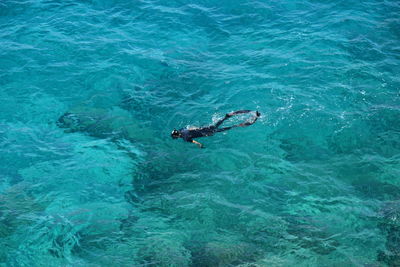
[(189, 134)]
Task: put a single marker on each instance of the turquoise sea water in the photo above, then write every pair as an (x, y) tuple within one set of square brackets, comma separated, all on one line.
[(315, 182)]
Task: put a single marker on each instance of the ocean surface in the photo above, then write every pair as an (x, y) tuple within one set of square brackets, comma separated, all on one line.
[(90, 91)]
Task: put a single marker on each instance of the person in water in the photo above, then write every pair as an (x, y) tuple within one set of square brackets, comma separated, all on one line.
[(189, 134)]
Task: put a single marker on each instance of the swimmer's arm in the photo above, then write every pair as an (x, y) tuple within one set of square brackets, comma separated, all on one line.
[(197, 143)]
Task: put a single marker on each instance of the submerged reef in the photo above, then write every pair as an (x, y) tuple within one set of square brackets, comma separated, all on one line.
[(18, 209), (113, 123)]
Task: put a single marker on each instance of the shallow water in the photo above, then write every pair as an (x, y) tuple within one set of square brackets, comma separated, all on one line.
[(314, 182)]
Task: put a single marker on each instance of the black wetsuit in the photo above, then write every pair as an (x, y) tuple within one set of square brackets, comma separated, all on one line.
[(189, 134)]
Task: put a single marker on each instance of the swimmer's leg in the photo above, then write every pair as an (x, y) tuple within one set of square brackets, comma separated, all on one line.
[(248, 123), (238, 112), (222, 120), (244, 124), (228, 115)]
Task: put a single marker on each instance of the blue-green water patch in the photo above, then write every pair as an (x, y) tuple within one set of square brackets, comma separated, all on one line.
[(91, 90)]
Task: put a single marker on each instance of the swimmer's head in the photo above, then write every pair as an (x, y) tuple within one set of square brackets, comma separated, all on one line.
[(175, 134)]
